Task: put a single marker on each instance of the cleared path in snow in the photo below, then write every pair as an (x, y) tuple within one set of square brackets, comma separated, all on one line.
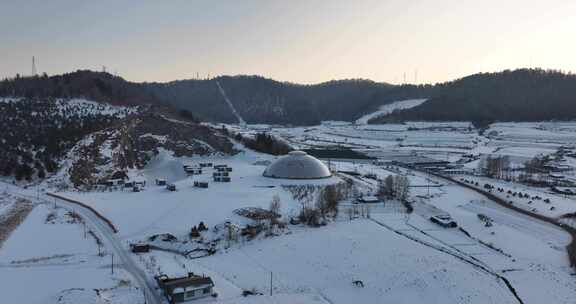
[(107, 234), (389, 108), (456, 254), (240, 120), (114, 244), (570, 248)]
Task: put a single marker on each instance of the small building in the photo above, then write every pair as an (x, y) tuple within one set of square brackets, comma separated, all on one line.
[(160, 182), (220, 174), (139, 248), (368, 199), (222, 179), (204, 165), (114, 182), (136, 188), (182, 289), (171, 187), (192, 170), (140, 183), (200, 184)]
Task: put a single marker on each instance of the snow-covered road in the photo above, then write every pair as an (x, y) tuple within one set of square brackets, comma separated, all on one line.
[(113, 243)]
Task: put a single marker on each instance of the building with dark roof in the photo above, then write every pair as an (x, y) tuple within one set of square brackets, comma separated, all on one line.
[(183, 289)]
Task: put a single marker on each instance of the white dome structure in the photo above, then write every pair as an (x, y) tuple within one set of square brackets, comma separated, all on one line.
[(297, 165)]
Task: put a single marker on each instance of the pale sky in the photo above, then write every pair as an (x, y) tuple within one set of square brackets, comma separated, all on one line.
[(293, 40)]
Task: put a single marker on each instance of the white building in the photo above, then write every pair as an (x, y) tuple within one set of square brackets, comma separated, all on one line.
[(297, 165)]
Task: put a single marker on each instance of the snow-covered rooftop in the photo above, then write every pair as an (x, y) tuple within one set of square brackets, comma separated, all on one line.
[(297, 165)]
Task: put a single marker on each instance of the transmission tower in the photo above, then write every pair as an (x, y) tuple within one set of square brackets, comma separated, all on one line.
[(34, 72)]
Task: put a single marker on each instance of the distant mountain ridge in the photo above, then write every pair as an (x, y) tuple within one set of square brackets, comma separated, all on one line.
[(257, 99), (519, 95)]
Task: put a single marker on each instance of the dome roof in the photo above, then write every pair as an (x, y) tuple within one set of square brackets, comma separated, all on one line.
[(297, 165)]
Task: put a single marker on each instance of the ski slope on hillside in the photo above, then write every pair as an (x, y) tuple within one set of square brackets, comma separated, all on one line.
[(389, 108), (229, 103)]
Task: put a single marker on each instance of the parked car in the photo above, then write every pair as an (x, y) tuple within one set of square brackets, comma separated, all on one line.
[(444, 221)]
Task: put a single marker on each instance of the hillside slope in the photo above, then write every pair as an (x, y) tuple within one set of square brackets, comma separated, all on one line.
[(520, 95), (257, 99), (131, 144), (39, 135)]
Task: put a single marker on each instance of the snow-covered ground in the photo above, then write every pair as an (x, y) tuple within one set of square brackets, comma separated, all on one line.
[(157, 210), (548, 203), (391, 107), (318, 265), (399, 257), (51, 262)]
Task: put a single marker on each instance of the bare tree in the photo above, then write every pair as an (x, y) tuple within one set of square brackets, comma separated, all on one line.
[(401, 187), (386, 187), (394, 186), (332, 196), (275, 205), (496, 167)]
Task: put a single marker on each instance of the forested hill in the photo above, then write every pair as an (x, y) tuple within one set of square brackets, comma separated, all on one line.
[(256, 99), (519, 95), (102, 87)]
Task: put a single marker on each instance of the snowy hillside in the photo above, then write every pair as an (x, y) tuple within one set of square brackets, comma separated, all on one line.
[(119, 151), (37, 133)]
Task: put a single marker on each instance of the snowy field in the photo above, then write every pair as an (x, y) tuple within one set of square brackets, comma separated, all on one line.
[(157, 210), (402, 268), (62, 265), (399, 257)]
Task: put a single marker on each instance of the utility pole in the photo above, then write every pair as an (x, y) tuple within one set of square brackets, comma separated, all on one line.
[(112, 263), (270, 283), (428, 183)]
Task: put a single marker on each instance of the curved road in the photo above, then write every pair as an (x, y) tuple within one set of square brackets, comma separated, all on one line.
[(110, 241)]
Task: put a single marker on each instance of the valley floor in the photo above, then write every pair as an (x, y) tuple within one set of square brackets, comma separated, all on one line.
[(398, 257), (48, 260)]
